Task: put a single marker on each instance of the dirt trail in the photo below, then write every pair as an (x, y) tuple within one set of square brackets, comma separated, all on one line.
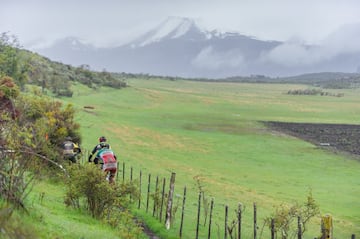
[(146, 230)]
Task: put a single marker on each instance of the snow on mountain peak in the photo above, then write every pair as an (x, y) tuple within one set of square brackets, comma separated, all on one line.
[(182, 27), (172, 27)]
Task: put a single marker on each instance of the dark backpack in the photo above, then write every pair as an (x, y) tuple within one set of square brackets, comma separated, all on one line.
[(68, 148)]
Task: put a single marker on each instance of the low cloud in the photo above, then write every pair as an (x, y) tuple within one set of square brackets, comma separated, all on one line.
[(294, 54), (291, 54), (346, 40), (210, 59)]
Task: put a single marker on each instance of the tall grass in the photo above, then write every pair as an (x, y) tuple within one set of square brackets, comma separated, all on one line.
[(211, 132)]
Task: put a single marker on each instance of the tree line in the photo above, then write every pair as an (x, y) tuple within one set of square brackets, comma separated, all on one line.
[(313, 92)]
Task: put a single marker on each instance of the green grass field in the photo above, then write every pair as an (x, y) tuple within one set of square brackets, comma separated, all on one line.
[(209, 133)]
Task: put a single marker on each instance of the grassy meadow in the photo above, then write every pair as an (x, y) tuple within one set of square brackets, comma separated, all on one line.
[(210, 134)]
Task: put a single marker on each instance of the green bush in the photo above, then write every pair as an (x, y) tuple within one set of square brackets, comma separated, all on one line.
[(7, 88), (286, 216), (11, 226), (88, 188), (32, 129)]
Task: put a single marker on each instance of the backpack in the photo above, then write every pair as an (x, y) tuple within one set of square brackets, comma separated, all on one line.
[(108, 159), (68, 148)]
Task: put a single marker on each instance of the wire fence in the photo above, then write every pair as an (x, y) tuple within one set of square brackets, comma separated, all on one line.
[(176, 210)]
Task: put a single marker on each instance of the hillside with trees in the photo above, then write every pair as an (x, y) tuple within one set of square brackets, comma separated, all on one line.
[(26, 67), (33, 128)]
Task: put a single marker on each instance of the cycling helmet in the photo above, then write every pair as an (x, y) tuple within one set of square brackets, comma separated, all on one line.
[(102, 139)]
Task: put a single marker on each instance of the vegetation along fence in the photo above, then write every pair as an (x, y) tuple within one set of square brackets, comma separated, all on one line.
[(159, 200)]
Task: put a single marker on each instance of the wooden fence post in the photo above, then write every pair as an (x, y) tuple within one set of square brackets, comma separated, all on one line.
[(117, 171), (123, 172), (170, 202), (131, 178), (299, 228), (162, 199), (131, 174), (272, 228), (255, 223), (140, 190), (182, 213), (239, 220), (210, 220), (326, 227), (198, 217), (156, 195), (226, 220), (148, 193)]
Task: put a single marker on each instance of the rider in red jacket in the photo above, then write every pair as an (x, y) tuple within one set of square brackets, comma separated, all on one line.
[(106, 157)]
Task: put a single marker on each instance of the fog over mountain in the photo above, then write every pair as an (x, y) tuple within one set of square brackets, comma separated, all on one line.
[(180, 47)]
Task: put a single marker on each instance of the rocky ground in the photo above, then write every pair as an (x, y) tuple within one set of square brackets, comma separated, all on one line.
[(336, 137)]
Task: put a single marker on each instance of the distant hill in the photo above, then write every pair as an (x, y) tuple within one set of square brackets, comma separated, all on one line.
[(334, 80), (43, 68), (56, 77), (179, 47)]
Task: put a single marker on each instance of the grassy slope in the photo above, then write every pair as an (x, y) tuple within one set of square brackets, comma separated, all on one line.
[(210, 131), (50, 218)]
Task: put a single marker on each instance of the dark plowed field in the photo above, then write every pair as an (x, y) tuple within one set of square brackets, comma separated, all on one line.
[(338, 137)]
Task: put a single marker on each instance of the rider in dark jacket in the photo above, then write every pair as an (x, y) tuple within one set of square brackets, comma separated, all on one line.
[(70, 149), (101, 145)]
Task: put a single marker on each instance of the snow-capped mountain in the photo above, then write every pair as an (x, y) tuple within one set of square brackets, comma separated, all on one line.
[(172, 28), (179, 47)]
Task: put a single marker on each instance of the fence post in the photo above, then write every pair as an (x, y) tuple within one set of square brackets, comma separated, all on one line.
[(140, 190), (210, 220), (182, 213), (255, 223), (123, 172), (162, 199), (117, 171), (170, 201), (198, 217), (226, 221), (326, 227), (131, 178), (148, 193), (239, 220), (131, 174), (272, 228), (156, 195), (299, 228)]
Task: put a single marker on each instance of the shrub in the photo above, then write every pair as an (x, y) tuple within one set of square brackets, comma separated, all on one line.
[(7, 88), (11, 226), (32, 128), (313, 92), (88, 189), (285, 217)]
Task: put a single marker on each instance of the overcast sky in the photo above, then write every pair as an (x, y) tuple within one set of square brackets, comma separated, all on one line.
[(114, 22)]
